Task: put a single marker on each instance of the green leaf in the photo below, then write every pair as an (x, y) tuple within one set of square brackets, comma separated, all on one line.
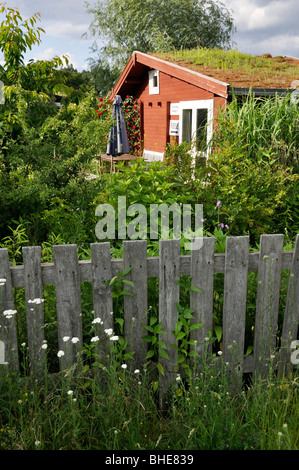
[(181, 358), (125, 292), (192, 353), (128, 356), (120, 321), (180, 335), (128, 282), (149, 328), (153, 320), (150, 354), (147, 338), (180, 309), (163, 353), (195, 326), (126, 271), (218, 331), (195, 289), (188, 314)]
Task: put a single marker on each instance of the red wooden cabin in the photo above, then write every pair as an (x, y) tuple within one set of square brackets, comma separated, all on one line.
[(175, 100)]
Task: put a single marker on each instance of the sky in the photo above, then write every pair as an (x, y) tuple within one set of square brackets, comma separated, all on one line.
[(263, 26)]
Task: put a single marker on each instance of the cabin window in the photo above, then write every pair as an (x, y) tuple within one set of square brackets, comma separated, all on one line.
[(196, 124), (153, 78)]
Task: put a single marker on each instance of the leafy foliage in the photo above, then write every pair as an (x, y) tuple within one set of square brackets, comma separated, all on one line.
[(157, 26)]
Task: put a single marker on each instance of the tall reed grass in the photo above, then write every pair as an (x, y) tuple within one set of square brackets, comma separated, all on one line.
[(266, 129)]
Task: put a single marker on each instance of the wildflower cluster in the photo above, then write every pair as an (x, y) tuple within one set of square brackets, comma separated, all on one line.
[(9, 313), (36, 301), (132, 118), (220, 224)]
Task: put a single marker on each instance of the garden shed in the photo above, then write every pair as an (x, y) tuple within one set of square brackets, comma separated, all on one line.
[(179, 93)]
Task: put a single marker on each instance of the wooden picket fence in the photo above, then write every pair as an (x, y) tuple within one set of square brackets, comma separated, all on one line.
[(67, 273)]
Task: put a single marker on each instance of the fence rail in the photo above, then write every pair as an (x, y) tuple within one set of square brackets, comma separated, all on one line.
[(67, 273)]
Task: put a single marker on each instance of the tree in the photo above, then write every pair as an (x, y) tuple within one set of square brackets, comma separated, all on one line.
[(158, 25), (27, 87)]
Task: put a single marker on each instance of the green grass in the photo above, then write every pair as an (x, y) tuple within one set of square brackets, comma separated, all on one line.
[(116, 409), (267, 67)]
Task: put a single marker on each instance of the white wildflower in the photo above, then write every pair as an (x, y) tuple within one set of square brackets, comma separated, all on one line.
[(114, 338), (44, 346), (60, 353), (9, 313), (97, 320), (136, 371), (124, 366), (109, 331), (65, 338), (94, 339), (36, 301), (75, 340), (70, 392)]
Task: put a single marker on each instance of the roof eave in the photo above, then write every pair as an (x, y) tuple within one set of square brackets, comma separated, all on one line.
[(213, 85), (265, 92)]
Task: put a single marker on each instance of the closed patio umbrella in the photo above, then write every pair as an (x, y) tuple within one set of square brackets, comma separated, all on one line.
[(118, 142)]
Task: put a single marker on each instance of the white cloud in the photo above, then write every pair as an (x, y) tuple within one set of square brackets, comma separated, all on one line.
[(66, 29), (50, 53), (266, 26)]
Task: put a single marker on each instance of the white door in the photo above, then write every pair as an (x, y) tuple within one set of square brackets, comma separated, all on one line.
[(196, 125)]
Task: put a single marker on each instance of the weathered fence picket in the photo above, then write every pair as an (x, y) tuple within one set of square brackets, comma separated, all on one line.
[(291, 314), (101, 273), (269, 273), (8, 329), (68, 302), (34, 307), (67, 273), (135, 304), (169, 293), (201, 302), (234, 305)]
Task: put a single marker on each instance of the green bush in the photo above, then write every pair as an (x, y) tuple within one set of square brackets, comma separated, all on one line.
[(48, 184), (256, 197)]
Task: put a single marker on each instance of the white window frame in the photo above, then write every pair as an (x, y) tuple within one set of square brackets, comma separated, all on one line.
[(153, 90), (194, 105)]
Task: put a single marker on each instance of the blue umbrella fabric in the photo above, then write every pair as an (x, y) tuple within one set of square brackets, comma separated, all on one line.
[(118, 142)]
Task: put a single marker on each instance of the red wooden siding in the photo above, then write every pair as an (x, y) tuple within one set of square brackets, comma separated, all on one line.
[(156, 108)]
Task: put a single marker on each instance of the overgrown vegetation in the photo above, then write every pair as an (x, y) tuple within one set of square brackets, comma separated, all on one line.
[(50, 186), (51, 415), (265, 71)]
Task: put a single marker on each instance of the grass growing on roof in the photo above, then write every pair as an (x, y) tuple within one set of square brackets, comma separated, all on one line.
[(272, 71)]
